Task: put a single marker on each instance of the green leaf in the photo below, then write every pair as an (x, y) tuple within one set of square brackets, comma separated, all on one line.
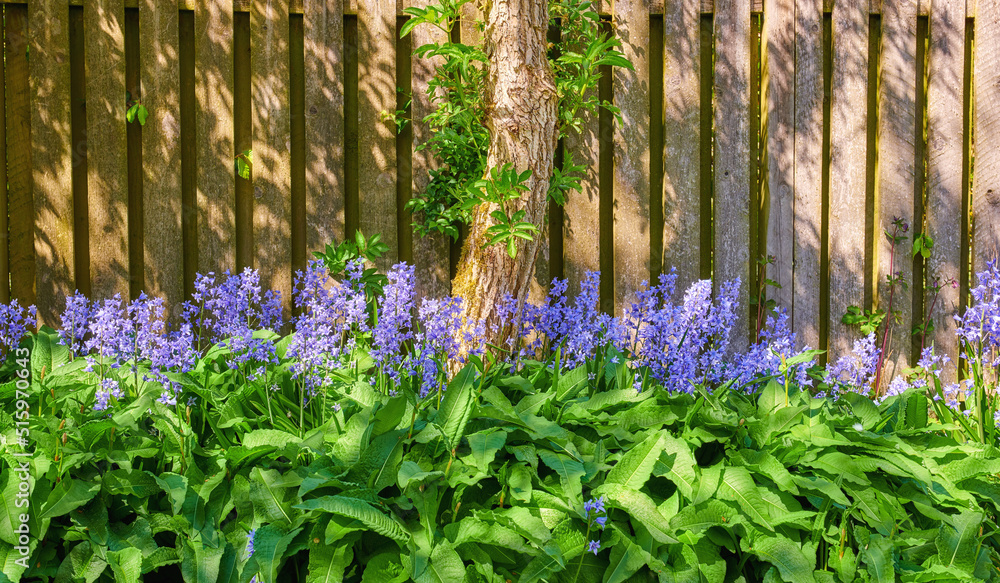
[(878, 558), (456, 408), (327, 563), (126, 564), (957, 543), (358, 510), (485, 445), (641, 508), (269, 437), (570, 471), (270, 543), (792, 562), (384, 568), (67, 496), (199, 563), (737, 485), (47, 353), (445, 566), (272, 496), (626, 558), (637, 464)]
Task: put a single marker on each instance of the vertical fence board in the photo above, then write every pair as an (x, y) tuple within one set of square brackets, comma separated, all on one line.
[(272, 183), (161, 147), (779, 68), (848, 153), (897, 170), (986, 180), (4, 213), (430, 251), (216, 187), (631, 154), (808, 179), (682, 140), (732, 156), (945, 142), (21, 251), (52, 157), (376, 131), (324, 106), (581, 213), (106, 158)]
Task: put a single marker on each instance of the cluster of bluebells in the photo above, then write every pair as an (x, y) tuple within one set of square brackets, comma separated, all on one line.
[(14, 324), (593, 510), (763, 361), (979, 327), (332, 315), (682, 344), (394, 329), (228, 312), (854, 371), (115, 336)]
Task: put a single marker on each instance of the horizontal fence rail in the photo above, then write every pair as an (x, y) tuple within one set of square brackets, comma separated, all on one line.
[(796, 129)]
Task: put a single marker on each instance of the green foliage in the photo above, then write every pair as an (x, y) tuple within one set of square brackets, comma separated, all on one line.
[(336, 257), (488, 483), (244, 164), (459, 138)]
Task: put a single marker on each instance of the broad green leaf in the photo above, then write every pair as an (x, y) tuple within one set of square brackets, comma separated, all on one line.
[(359, 510), (457, 405), (570, 471), (379, 462), (269, 437), (707, 484), (384, 568), (637, 464), (485, 445), (790, 559), (738, 486), (327, 563), (626, 558), (677, 463), (47, 353), (878, 558), (700, 517), (270, 543), (82, 563), (126, 564), (199, 563), (271, 496), (640, 508), (957, 543), (519, 482), (445, 566), (67, 496)]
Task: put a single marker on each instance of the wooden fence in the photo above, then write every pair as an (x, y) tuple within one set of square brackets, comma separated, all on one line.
[(790, 128)]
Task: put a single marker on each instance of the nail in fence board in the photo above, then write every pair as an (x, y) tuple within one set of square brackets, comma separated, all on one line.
[(808, 172), (272, 182), (986, 182), (213, 22), (161, 147), (631, 153), (896, 170), (779, 112), (107, 193), (51, 157), (682, 141), (376, 130), (324, 111), (848, 153), (945, 142), (431, 251), (732, 156)]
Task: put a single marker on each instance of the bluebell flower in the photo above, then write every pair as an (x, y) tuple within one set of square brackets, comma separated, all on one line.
[(14, 324), (601, 521), (594, 546), (75, 318)]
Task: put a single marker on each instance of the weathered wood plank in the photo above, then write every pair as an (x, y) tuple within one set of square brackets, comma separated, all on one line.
[(163, 240), (213, 21), (779, 34), (986, 183), (732, 156), (106, 143), (848, 154), (51, 158), (581, 213), (272, 182), (808, 173), (376, 130), (4, 223), (430, 251), (945, 142), (324, 110), (631, 153), (897, 172), (682, 141)]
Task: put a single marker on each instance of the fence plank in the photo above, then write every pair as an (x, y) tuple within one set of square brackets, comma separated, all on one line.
[(430, 251), (272, 182), (581, 213), (732, 156), (161, 146), (213, 21), (780, 29), (21, 250), (324, 106), (106, 159), (897, 172), (986, 186), (631, 153), (682, 141), (52, 158), (4, 214), (945, 142), (808, 173), (848, 153), (376, 132)]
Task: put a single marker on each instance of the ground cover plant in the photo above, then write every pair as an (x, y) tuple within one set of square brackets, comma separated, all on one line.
[(207, 444)]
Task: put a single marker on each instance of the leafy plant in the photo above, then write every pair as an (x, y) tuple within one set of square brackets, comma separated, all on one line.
[(244, 164)]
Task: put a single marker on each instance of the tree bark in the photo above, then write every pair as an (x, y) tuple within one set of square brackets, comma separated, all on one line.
[(521, 105)]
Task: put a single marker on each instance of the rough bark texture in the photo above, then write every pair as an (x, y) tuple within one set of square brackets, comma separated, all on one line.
[(521, 103)]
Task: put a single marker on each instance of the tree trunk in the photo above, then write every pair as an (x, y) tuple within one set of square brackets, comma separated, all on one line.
[(521, 105)]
